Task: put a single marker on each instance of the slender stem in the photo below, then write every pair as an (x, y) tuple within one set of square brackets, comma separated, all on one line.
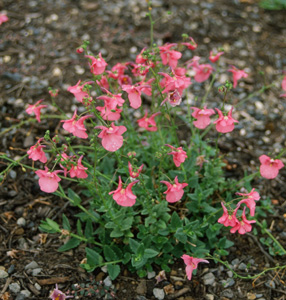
[(225, 263), (271, 236)]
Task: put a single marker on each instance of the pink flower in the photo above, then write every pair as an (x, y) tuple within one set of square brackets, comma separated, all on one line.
[(36, 108), (228, 219), (173, 98), (283, 85), (202, 116), (179, 155), (174, 191), (168, 56), (134, 94), (76, 127), (110, 111), (237, 74), (192, 45), (270, 167), (78, 170), (112, 138), (215, 57), (103, 82), (148, 123), (97, 65), (53, 92), (192, 264), (225, 124), (141, 58), (242, 226), (173, 83), (117, 71), (249, 200), (124, 197), (3, 18), (67, 162), (203, 71), (36, 152), (48, 180), (58, 295), (134, 173), (79, 93)]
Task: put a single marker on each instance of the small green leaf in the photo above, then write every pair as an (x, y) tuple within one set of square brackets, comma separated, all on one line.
[(74, 197), (88, 231), (176, 222), (66, 223), (93, 258), (109, 254), (70, 244), (133, 245), (149, 253), (181, 236), (54, 225), (113, 271), (116, 232)]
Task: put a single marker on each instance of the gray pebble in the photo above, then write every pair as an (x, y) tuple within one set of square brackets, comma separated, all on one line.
[(13, 174), (107, 281), (31, 265), (21, 222), (140, 298), (151, 274), (36, 272), (20, 297), (37, 286), (235, 262), (228, 293), (258, 295), (229, 274), (242, 266), (26, 293), (159, 293), (14, 287), (3, 274), (227, 283), (11, 269), (270, 284), (209, 279)]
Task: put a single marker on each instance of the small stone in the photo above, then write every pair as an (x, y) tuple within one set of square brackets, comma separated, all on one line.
[(20, 297), (229, 274), (251, 296), (21, 222), (209, 297), (14, 287), (258, 295), (107, 281), (209, 279), (169, 289), (141, 288), (13, 174), (242, 266), (31, 265), (159, 293), (11, 269), (140, 298), (270, 284), (36, 271), (151, 275), (37, 286), (228, 293), (26, 293), (227, 283), (3, 274)]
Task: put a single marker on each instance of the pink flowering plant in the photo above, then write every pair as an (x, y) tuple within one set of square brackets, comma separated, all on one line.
[(142, 195)]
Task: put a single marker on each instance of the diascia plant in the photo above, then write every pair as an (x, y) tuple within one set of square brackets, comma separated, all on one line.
[(143, 196)]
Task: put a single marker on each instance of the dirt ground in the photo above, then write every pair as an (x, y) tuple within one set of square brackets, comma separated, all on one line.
[(37, 51)]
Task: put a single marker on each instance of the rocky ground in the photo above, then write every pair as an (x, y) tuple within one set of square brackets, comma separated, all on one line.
[(37, 50)]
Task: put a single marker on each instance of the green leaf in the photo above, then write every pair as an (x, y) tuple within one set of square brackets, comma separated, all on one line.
[(113, 271), (133, 245), (93, 258), (88, 231), (109, 254), (127, 223), (126, 258), (176, 222), (74, 197), (115, 233), (70, 244), (181, 236), (54, 225), (79, 228), (149, 253), (66, 223)]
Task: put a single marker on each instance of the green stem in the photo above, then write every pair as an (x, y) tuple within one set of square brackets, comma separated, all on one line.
[(225, 263), (271, 236)]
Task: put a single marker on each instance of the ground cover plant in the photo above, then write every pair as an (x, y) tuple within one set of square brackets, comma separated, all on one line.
[(151, 198)]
